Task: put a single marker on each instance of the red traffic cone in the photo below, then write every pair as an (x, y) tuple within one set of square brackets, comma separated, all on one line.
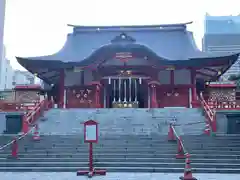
[(207, 130), (187, 170), (15, 149), (36, 136)]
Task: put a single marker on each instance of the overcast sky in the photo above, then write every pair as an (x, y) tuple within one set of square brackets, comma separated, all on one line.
[(38, 27)]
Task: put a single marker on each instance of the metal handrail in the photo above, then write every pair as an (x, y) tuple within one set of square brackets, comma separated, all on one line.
[(179, 139)]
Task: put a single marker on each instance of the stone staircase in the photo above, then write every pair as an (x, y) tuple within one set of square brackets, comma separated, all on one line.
[(220, 154), (122, 121), (125, 153), (68, 153), (131, 140)]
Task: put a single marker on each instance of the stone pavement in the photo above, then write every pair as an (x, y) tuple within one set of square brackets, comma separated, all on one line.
[(113, 176)]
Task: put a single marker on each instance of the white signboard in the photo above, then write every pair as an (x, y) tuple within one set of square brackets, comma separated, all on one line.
[(91, 133)]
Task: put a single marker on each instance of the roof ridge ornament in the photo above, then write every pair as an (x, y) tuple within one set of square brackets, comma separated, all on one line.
[(123, 38)]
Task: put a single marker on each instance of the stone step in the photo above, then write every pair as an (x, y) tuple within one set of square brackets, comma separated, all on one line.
[(119, 169), (149, 150), (139, 160), (119, 155), (56, 151), (119, 164)]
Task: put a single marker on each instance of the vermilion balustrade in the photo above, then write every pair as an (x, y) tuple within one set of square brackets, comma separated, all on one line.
[(28, 119), (173, 136), (210, 114), (31, 116), (225, 105)]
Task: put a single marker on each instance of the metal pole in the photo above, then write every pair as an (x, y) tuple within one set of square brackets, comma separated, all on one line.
[(130, 89), (114, 90), (65, 99), (125, 90), (119, 89), (135, 90)]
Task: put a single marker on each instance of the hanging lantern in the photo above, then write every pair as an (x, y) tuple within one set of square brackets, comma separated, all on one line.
[(140, 80)]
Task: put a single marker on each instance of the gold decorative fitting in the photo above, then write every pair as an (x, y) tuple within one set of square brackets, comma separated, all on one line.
[(170, 68), (89, 91), (129, 72)]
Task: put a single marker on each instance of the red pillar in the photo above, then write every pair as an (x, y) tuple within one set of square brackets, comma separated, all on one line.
[(97, 96), (172, 78), (154, 103), (194, 90), (61, 89)]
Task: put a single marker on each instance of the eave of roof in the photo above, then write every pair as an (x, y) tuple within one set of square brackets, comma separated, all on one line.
[(128, 27), (223, 63)]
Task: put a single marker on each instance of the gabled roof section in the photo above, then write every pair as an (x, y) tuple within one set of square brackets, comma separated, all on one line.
[(169, 44)]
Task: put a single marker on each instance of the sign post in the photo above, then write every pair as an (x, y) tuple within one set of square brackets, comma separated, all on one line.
[(91, 136)]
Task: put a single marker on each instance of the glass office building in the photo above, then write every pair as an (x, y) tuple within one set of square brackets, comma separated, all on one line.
[(222, 34)]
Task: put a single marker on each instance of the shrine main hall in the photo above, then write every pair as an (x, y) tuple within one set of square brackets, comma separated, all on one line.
[(152, 66)]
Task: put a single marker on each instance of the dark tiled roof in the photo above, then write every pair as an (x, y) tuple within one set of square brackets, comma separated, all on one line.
[(169, 42)]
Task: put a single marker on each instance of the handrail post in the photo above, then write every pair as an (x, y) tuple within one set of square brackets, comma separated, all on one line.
[(214, 125), (15, 149), (24, 124)]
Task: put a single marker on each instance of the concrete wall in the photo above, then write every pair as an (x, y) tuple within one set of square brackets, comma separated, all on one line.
[(222, 123)]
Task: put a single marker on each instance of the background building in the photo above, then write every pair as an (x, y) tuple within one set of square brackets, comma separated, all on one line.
[(6, 72), (3, 60), (222, 34), (23, 77), (2, 18)]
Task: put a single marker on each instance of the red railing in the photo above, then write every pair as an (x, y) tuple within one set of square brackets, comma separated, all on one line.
[(31, 116), (173, 136), (181, 152), (28, 119), (13, 144), (225, 105), (210, 114)]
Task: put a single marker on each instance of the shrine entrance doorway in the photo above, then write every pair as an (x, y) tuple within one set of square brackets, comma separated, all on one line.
[(126, 93)]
